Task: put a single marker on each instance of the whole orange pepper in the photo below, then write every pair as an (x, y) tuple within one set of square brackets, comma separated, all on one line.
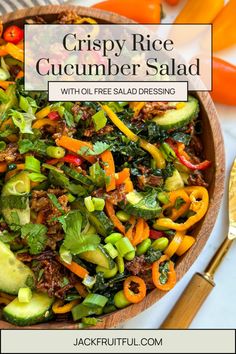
[(224, 27), (143, 11), (197, 11), (224, 82)]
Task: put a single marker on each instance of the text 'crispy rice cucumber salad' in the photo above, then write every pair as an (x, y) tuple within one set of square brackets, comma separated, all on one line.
[(98, 200)]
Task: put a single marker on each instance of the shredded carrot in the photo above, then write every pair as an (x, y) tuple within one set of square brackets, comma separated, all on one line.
[(20, 74), (138, 232), (59, 308), (75, 268), (81, 289), (146, 231), (109, 168), (111, 213), (3, 167), (15, 52), (122, 176), (3, 51), (42, 122), (5, 84), (129, 233), (75, 145), (129, 187)]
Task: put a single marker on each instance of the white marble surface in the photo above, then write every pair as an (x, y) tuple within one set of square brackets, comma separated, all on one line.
[(219, 310)]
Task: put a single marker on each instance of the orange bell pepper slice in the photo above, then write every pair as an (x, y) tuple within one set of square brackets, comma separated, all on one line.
[(174, 244), (129, 187), (147, 11), (59, 307), (185, 245), (224, 27), (42, 122), (75, 145), (141, 286), (129, 233), (20, 75), (75, 268), (156, 275), (109, 168), (15, 51), (3, 167), (138, 232), (111, 214), (122, 176), (5, 84), (195, 12)]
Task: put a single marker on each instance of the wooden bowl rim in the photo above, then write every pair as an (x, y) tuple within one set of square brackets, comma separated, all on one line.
[(116, 318)]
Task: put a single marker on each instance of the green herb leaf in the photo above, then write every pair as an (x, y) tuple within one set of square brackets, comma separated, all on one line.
[(23, 120), (35, 236), (75, 241), (98, 148), (179, 202)]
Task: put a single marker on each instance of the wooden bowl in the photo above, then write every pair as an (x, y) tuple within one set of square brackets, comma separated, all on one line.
[(213, 149)]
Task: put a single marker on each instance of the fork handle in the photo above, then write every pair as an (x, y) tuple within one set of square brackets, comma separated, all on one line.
[(189, 303)]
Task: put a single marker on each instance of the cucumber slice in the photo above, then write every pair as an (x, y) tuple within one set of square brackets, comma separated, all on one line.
[(177, 118), (98, 256), (142, 205), (174, 182), (98, 219), (25, 314), (14, 274), (19, 185)]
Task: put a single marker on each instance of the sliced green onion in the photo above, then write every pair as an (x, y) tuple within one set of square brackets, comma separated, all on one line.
[(70, 197), (37, 177), (111, 250), (2, 145), (89, 281), (55, 152), (51, 167), (80, 311), (167, 152), (99, 120), (122, 215), (89, 204), (130, 256), (163, 197), (55, 202), (98, 203), (124, 246), (90, 321), (107, 273), (32, 164), (4, 75), (24, 295), (120, 264), (4, 98), (95, 300), (113, 238), (109, 309), (65, 255)]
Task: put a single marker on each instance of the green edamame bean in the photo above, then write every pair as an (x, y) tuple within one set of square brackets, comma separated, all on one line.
[(109, 308), (113, 238), (56, 152), (130, 256), (160, 244), (122, 216), (107, 273), (143, 247), (120, 264), (120, 300)]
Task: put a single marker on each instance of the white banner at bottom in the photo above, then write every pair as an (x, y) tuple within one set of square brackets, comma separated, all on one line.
[(118, 341)]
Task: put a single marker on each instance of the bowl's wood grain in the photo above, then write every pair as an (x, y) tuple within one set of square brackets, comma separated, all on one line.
[(213, 149)]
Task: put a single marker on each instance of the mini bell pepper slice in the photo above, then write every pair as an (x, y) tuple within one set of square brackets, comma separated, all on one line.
[(140, 287), (173, 198), (199, 199), (185, 245), (174, 244), (156, 275), (109, 168), (112, 216)]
